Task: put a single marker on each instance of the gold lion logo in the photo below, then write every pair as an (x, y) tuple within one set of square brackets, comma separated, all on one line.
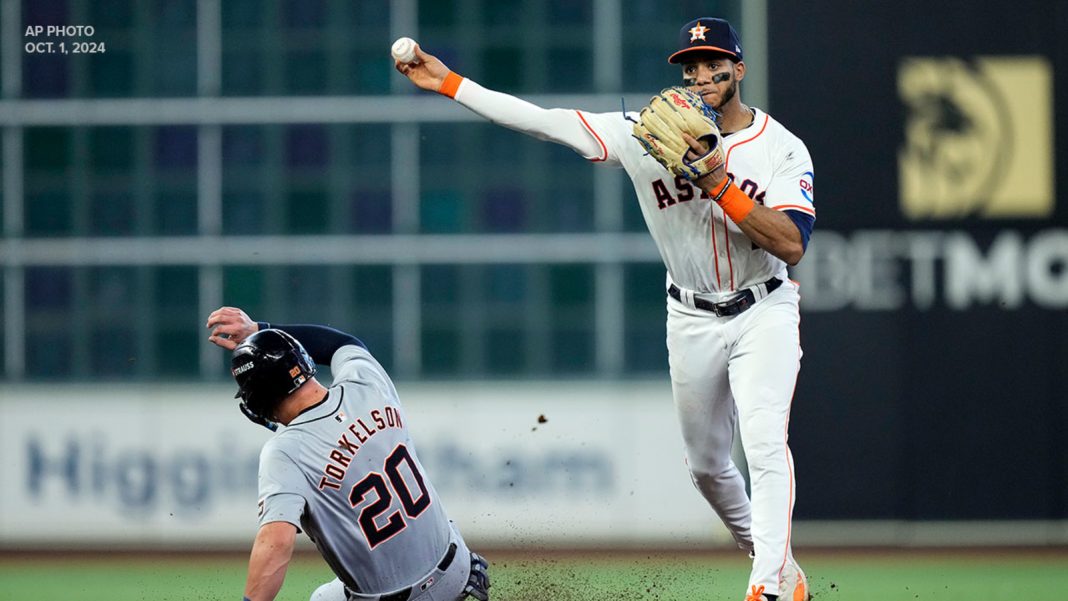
[(978, 138)]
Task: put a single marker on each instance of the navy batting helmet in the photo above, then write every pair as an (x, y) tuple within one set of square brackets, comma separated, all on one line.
[(269, 366)]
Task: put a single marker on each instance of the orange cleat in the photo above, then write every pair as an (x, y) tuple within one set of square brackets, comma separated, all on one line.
[(794, 584), (756, 594)]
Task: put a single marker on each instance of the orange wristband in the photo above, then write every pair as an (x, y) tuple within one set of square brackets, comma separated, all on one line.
[(450, 85), (733, 201)]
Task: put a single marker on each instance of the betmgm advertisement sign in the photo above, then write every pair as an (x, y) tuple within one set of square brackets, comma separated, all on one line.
[(976, 194)]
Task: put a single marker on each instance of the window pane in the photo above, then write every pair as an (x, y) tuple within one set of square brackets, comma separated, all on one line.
[(504, 209), (241, 14), (506, 351), (45, 75), (113, 352), (298, 14), (371, 211), (111, 149), (47, 148), (176, 211), (573, 350), (572, 317), (242, 70), (113, 74), (245, 157), (47, 213), (645, 336), (244, 212), (572, 69), (48, 353), (48, 290), (178, 352), (50, 322), (244, 287), (243, 145), (179, 325), (111, 214), (112, 293), (3, 322), (307, 212), (369, 315), (439, 350), (440, 344), (442, 211), (437, 13), (306, 290), (110, 14), (501, 67), (566, 192), (176, 290), (175, 147), (305, 72)]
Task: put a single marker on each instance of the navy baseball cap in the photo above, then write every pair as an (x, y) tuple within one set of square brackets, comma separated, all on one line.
[(707, 35)]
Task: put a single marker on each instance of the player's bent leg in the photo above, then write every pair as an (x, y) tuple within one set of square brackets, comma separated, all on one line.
[(331, 591), (725, 492), (706, 415)]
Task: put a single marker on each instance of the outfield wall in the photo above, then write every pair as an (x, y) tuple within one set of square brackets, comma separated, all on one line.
[(158, 466), (174, 467)]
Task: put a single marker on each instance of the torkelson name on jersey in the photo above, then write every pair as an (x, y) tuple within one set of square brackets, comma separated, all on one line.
[(340, 458)]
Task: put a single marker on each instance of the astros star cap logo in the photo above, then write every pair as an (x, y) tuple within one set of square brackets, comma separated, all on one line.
[(697, 32)]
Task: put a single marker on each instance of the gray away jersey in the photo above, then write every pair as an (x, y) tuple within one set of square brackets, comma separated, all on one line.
[(345, 471)]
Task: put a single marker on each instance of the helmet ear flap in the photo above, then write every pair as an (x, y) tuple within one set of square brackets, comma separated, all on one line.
[(257, 418)]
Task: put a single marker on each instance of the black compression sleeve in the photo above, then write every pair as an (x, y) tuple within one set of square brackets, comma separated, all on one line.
[(321, 342)]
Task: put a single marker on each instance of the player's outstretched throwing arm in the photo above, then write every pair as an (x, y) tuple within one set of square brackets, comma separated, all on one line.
[(607, 138), (563, 126)]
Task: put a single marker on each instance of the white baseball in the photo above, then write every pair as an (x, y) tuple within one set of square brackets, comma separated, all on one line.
[(404, 50)]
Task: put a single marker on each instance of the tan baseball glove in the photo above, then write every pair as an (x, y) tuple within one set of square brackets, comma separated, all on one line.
[(661, 124)]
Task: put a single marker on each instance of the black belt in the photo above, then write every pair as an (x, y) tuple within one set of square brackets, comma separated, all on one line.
[(740, 302), (405, 593)]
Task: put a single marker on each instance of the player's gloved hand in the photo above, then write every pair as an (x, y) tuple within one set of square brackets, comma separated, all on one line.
[(478, 582), (256, 419), (670, 114)]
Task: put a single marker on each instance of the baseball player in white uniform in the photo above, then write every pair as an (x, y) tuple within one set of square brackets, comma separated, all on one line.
[(343, 469), (732, 312)]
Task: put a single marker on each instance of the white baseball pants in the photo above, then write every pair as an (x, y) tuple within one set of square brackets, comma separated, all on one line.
[(743, 367)]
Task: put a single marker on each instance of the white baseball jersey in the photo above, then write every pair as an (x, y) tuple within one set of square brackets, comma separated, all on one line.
[(703, 250), (346, 472), (723, 368)]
